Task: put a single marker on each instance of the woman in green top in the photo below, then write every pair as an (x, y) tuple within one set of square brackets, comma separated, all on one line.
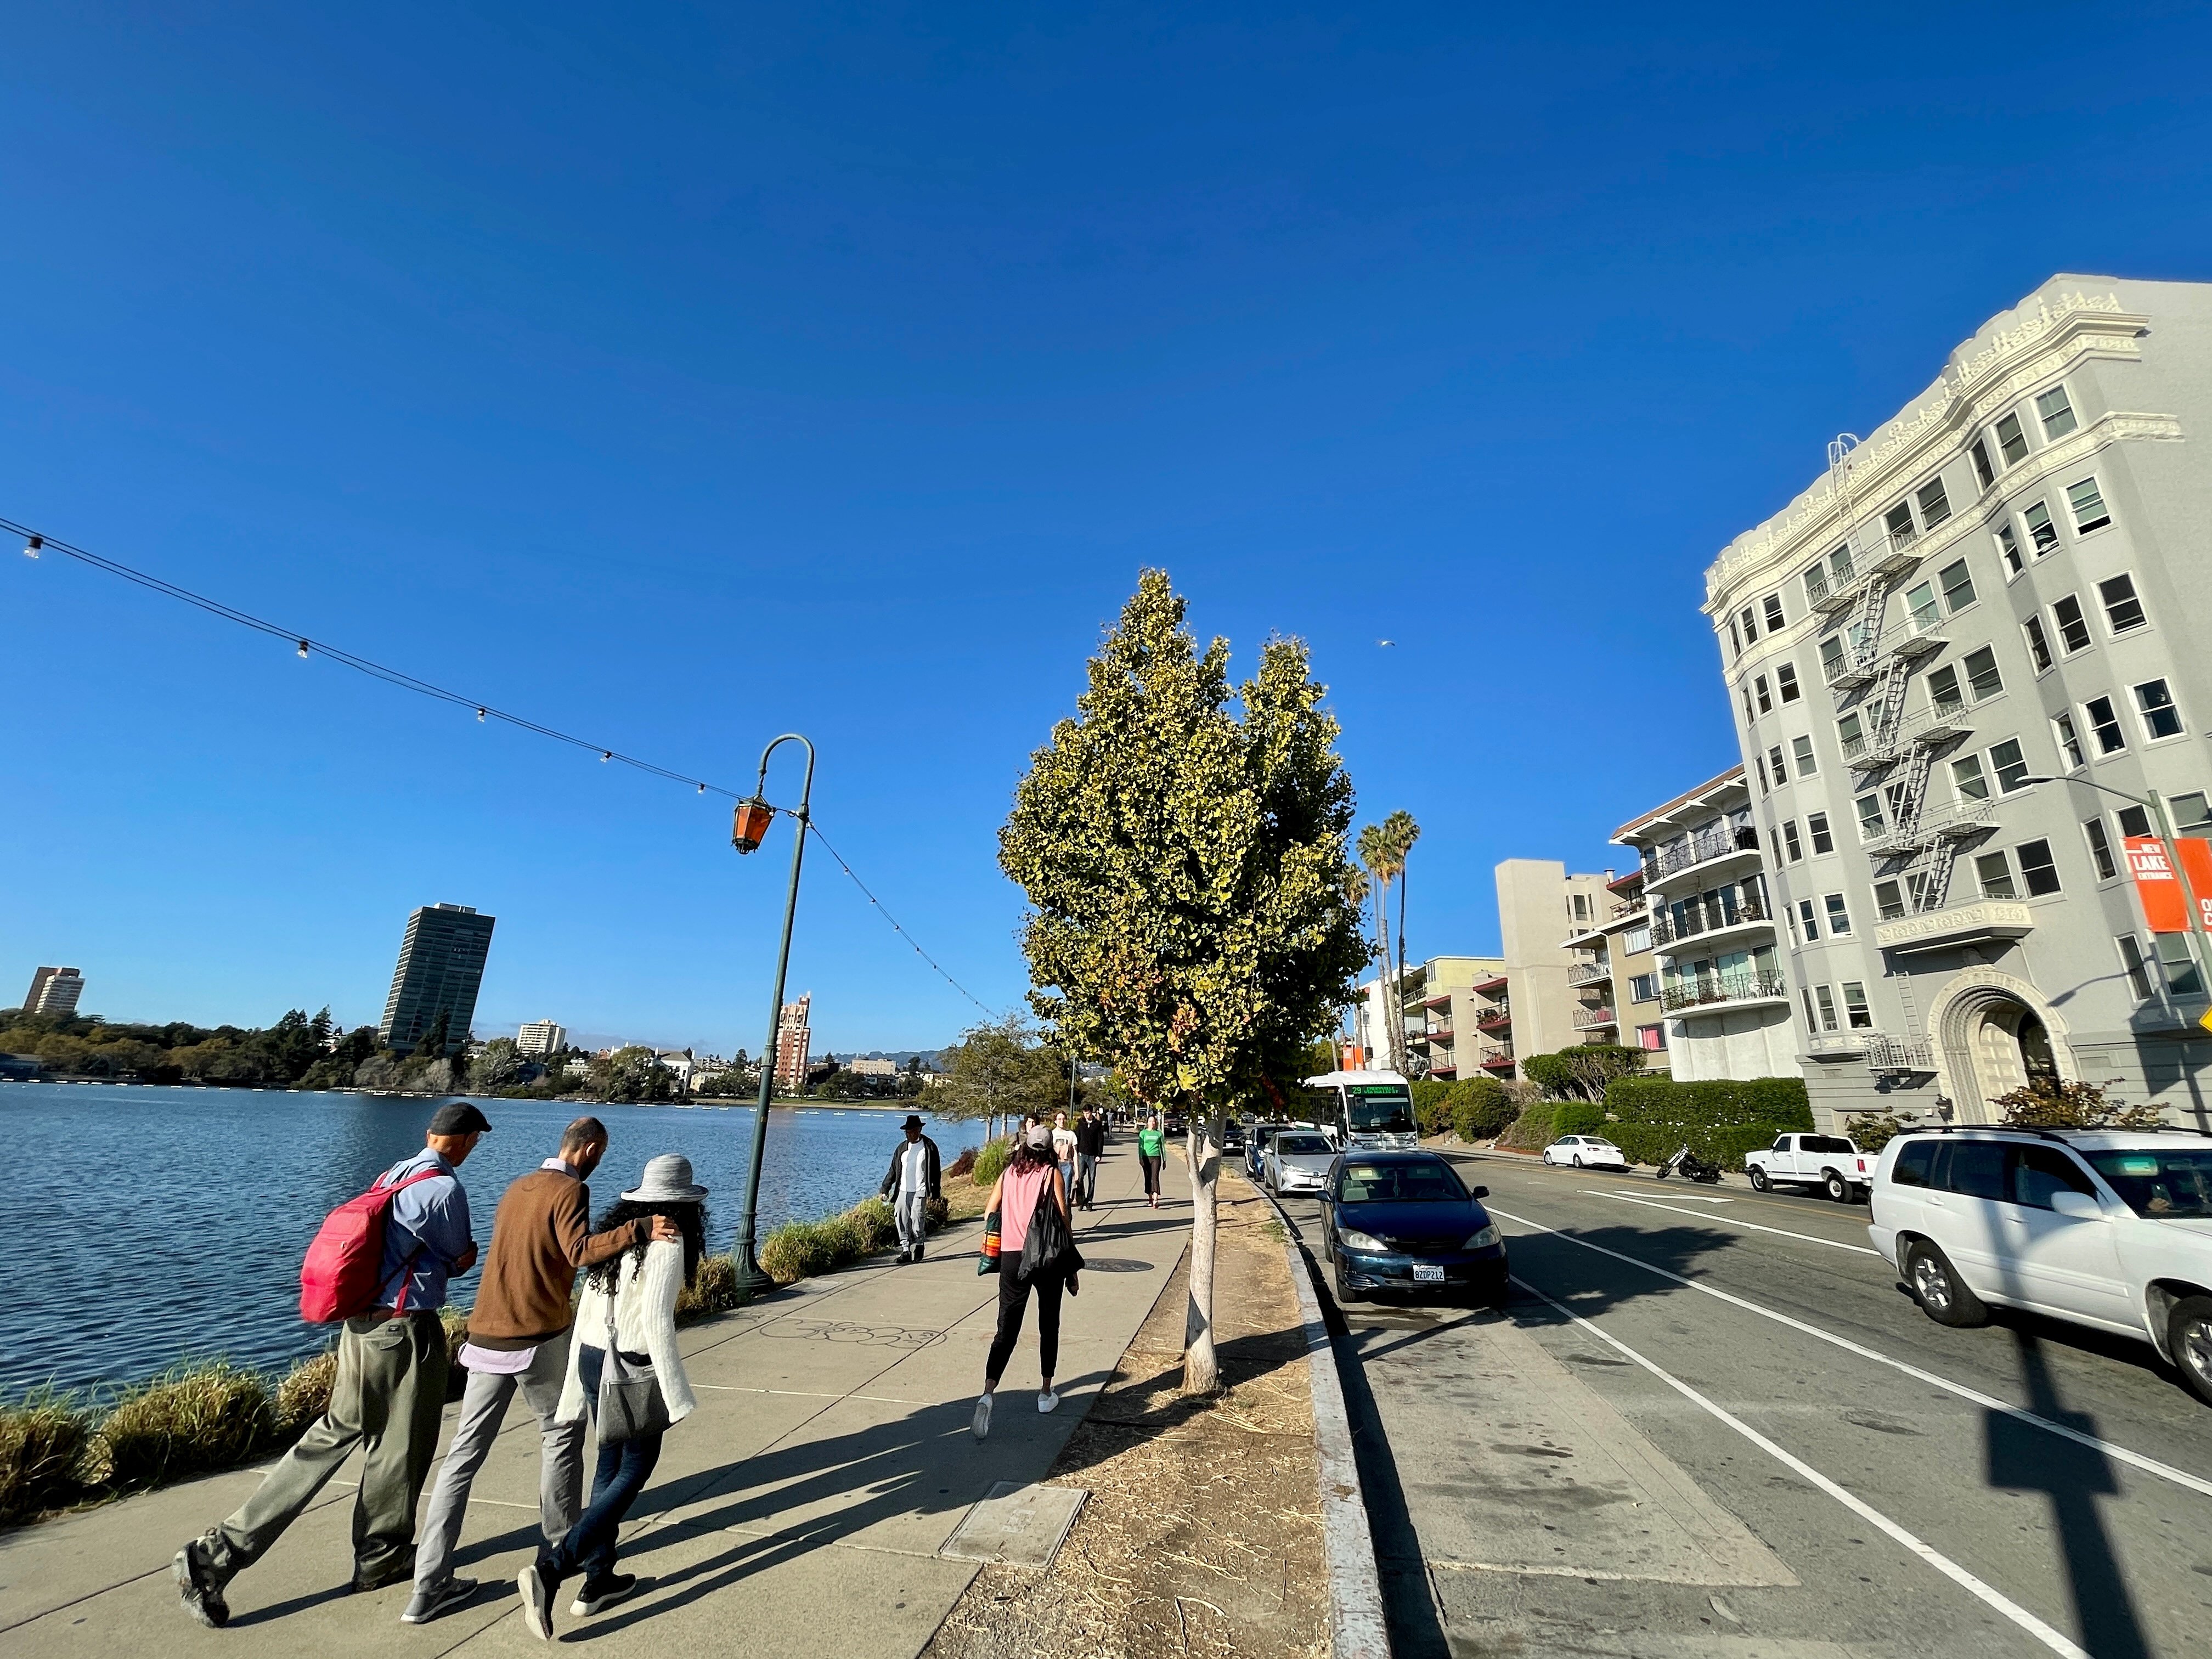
[(1152, 1146)]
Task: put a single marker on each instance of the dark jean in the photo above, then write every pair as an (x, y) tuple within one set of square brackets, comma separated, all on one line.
[(1013, 1299), (624, 1467)]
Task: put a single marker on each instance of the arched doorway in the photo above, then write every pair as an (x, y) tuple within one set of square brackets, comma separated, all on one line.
[(1995, 1038)]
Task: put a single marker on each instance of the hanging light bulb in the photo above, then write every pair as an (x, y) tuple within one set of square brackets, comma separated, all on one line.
[(303, 648), (30, 547), (703, 789), (605, 756), (480, 715)]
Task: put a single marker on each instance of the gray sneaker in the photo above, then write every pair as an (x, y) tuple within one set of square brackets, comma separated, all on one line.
[(431, 1600), (199, 1586)]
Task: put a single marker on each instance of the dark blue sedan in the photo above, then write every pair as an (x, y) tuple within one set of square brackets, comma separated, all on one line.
[(1405, 1221)]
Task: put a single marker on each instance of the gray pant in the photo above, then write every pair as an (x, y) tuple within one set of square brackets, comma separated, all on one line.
[(387, 1399), (560, 1467), (912, 1224)]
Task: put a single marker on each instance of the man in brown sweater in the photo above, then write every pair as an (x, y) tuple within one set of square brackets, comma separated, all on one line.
[(540, 1237)]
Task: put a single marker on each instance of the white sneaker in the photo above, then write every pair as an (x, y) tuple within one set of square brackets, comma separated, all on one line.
[(982, 1426), (1047, 1400)]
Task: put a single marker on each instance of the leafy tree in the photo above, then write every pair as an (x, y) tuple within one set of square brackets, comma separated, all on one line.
[(1583, 1072), (2050, 1103), (633, 1075), (1187, 874), (433, 1042), (996, 1070), (497, 1065), (1383, 849)]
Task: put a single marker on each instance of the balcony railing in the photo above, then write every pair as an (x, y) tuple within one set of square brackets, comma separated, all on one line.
[(1438, 1034), (1895, 1055), (1665, 930), (1590, 973), (1701, 848), (1491, 1019), (1587, 1019), (1495, 1054), (1712, 990)]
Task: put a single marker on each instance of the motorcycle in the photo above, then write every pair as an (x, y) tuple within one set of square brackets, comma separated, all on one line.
[(1691, 1167)]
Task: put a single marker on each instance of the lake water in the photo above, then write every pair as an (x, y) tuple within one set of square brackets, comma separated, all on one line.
[(154, 1225)]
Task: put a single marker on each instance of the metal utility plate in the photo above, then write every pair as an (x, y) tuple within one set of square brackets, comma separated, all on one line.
[(1017, 1526)]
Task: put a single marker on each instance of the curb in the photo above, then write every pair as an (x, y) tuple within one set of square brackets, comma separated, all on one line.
[(1356, 1625)]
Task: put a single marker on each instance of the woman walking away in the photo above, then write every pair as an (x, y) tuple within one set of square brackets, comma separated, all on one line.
[(1151, 1147), (628, 1307), (1030, 1181)]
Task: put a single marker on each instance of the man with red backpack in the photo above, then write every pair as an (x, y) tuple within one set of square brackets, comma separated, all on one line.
[(389, 1393)]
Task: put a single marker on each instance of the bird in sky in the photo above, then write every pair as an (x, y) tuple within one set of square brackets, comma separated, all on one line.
[(1386, 641)]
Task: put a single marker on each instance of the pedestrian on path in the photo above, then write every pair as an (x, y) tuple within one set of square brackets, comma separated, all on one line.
[(630, 1306), (1152, 1148), (1063, 1151), (1030, 1181), (911, 1181), (388, 1396), (539, 1237), (1089, 1147)]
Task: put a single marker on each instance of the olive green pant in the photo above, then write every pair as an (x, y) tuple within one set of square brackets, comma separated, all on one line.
[(387, 1398)]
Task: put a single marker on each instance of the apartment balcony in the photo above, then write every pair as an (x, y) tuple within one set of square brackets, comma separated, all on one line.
[(1960, 823), (1863, 663), (1444, 1001), (1493, 1019), (1716, 993), (1595, 972), (1438, 1034), (1701, 851), (1833, 590), (1888, 1056), (1592, 1019), (1446, 1067), (1626, 909), (1749, 916), (1487, 987), (1495, 1056), (1869, 754)]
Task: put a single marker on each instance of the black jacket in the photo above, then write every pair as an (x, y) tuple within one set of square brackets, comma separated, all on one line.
[(1091, 1137), (929, 1171)]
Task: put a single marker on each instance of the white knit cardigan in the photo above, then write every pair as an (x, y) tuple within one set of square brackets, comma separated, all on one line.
[(645, 1323)]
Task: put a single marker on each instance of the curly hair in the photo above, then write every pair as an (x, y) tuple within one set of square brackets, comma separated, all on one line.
[(691, 1217)]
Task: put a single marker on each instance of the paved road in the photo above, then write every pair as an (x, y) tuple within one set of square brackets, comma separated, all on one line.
[(1626, 1462)]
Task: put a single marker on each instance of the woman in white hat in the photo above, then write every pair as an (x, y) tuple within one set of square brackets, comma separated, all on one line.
[(632, 1298)]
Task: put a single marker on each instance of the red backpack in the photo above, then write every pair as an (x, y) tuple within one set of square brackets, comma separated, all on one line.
[(344, 1269)]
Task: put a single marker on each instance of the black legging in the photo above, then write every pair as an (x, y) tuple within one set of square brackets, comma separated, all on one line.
[(1013, 1297), (1152, 1163)]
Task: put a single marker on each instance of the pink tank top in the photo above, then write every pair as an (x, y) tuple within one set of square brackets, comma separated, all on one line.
[(1017, 1201)]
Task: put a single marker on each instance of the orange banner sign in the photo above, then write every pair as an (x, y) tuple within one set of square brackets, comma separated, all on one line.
[(2197, 864), (2164, 909)]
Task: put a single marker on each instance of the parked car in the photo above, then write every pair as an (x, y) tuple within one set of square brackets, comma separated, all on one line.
[(1833, 1162), (1405, 1221), (2111, 1229), (1232, 1136), (1256, 1147), (1586, 1152), (1297, 1161)]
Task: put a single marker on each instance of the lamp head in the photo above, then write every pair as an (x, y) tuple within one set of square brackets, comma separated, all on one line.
[(748, 825)]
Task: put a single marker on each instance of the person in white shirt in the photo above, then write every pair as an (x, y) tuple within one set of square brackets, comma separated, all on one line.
[(1063, 1151), (911, 1181), (632, 1299)]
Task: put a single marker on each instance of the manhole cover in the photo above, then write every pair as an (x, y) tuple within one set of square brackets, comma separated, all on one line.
[(1017, 1526), (1114, 1264)]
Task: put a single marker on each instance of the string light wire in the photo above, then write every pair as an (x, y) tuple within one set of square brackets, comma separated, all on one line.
[(37, 541)]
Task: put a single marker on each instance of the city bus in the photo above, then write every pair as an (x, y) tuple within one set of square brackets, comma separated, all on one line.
[(1368, 1109)]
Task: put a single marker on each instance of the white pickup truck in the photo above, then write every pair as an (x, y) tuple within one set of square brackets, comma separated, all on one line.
[(1828, 1160)]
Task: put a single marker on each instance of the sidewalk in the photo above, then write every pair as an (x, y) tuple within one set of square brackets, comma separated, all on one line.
[(799, 1512)]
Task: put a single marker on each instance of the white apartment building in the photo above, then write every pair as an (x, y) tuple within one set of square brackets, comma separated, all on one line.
[(2010, 581), (541, 1036)]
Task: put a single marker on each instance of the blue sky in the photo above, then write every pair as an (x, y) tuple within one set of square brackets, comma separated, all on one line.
[(678, 377)]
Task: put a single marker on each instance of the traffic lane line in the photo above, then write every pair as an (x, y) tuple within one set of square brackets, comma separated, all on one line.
[(1986, 1593), (1736, 1221), (1989, 1402), (1787, 1203)]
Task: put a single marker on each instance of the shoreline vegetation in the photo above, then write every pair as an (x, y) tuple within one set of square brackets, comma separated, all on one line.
[(64, 1449)]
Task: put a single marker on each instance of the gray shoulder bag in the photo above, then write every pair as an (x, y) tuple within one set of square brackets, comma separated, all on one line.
[(631, 1405)]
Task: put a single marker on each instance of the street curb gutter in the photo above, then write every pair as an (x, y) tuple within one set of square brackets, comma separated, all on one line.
[(1355, 1626)]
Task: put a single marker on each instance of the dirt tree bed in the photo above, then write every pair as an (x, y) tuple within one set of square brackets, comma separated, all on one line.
[(1202, 1532)]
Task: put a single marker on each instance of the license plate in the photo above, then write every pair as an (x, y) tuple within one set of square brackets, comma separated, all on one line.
[(1425, 1274)]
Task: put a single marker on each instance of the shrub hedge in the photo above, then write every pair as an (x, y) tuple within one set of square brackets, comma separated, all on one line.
[(1531, 1132), (1432, 1109), (1480, 1109), (1719, 1119), (991, 1162)]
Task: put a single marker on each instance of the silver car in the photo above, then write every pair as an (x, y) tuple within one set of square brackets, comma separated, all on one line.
[(1297, 1161)]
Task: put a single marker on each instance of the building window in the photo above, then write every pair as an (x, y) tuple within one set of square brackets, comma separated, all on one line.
[(1785, 683), (2070, 740), (2191, 812), (2133, 965), (1935, 506), (1790, 849), (1968, 782), (2134, 821), (1805, 996), (2173, 955), (2100, 849), (1920, 606), (1827, 1001), (2124, 611), (1816, 827), (2012, 442), (1582, 908), (1870, 811), (1832, 655), (1759, 761), (1856, 1014), (2155, 703), (2010, 764), (1985, 474), (2038, 643), (2088, 504), (1839, 917), (2041, 534), (1898, 522), (1775, 768), (1848, 735), (2055, 413), (1958, 586), (2105, 727), (1808, 922), (2037, 867), (1735, 641), (2073, 626), (1750, 620), (1644, 987), (1744, 691), (1758, 689), (1943, 694), (1773, 603), (1653, 1037), (1801, 750), (1635, 940), (1982, 674), (1994, 871), (2009, 550), (1888, 901)]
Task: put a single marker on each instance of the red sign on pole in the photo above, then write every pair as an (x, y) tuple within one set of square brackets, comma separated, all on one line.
[(2158, 885), (2197, 864)]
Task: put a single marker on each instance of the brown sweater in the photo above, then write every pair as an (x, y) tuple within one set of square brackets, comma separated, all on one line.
[(538, 1241)]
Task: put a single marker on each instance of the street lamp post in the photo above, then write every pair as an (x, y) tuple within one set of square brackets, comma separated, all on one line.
[(747, 829), (2164, 826)]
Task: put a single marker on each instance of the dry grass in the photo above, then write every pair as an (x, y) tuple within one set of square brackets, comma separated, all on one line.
[(185, 1422), (41, 1437)]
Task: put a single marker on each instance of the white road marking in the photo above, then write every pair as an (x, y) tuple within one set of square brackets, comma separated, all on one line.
[(1810, 1238), (1943, 1564), (2134, 1459)]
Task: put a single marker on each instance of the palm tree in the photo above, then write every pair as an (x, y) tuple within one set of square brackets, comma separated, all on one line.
[(1383, 849)]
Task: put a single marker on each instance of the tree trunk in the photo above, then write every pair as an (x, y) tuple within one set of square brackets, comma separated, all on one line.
[(1201, 1367), (1383, 970), (1405, 1048)]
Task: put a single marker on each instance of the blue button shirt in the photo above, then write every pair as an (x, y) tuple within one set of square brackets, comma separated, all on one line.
[(428, 1222)]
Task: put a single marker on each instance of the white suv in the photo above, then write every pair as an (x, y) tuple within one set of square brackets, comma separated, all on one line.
[(2110, 1228)]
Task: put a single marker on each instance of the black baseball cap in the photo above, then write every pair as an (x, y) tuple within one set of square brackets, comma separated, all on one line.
[(458, 1117)]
